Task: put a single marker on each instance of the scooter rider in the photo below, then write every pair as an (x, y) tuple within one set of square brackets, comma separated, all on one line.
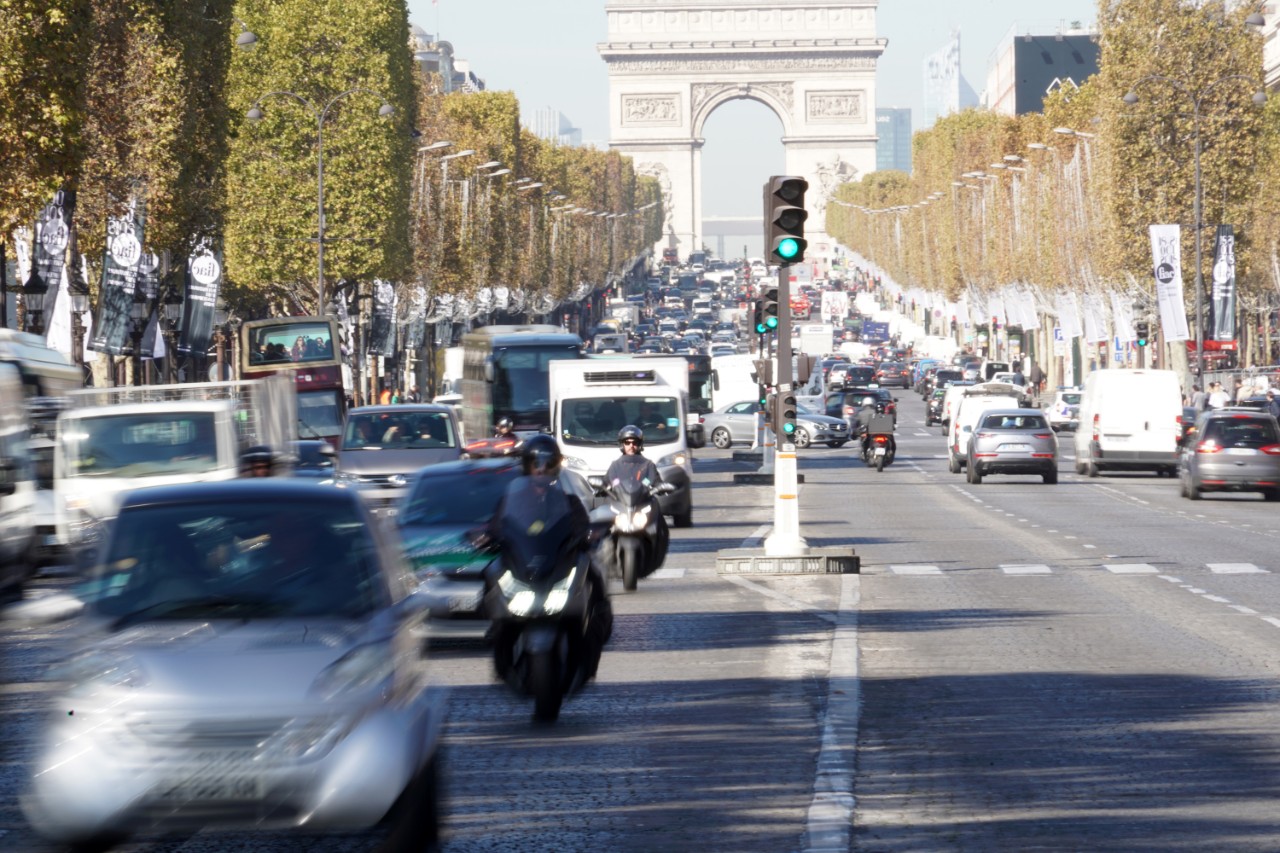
[(540, 458), (504, 427), (632, 464)]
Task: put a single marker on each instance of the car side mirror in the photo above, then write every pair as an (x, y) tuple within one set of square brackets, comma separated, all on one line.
[(966, 429)]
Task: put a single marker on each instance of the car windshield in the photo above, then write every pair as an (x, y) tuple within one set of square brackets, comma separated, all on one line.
[(398, 430), (1013, 422), (595, 421), (1071, 399), (458, 498), (141, 445), (241, 560), (1241, 431)]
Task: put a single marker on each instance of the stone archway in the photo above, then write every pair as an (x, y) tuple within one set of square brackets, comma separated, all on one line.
[(673, 62)]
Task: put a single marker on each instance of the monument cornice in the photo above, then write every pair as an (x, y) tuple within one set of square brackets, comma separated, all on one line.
[(611, 51)]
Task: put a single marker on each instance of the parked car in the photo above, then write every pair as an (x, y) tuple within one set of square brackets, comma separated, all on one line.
[(384, 446), (1231, 450), (1012, 441), (245, 658)]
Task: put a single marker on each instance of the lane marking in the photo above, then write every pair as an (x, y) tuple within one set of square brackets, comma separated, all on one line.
[(793, 603), (1271, 619), (1028, 569), (1131, 568), (1219, 599), (1248, 611), (1236, 569), (754, 540), (667, 574), (915, 570)]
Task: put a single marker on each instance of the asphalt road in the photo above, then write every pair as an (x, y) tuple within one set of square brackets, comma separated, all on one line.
[(1084, 666)]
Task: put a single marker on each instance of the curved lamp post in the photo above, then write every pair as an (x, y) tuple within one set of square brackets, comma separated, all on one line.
[(1197, 98), (320, 113)]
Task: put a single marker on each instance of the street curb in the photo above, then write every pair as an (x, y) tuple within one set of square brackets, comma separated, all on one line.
[(819, 561)]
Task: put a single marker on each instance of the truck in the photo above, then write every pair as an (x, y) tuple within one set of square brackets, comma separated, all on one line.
[(592, 399), (110, 441), (816, 338), (875, 332), (626, 313)]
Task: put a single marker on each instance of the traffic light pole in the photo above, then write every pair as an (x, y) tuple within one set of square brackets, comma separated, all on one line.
[(785, 540)]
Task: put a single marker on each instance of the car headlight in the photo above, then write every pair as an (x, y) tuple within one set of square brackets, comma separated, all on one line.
[(93, 671), (558, 597), (679, 458), (575, 463), (307, 737), (358, 670), (345, 477), (818, 426)]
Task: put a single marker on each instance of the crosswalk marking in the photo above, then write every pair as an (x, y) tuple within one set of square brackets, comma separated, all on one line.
[(1131, 568), (1236, 569), (1028, 569), (668, 574), (915, 570)]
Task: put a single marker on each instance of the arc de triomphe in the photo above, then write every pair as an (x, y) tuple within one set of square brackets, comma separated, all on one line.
[(673, 62)]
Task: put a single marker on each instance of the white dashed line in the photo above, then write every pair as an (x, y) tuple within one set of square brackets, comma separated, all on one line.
[(1248, 611), (1272, 620), (667, 574), (1236, 569), (1219, 599), (1028, 569), (1131, 568), (915, 570)]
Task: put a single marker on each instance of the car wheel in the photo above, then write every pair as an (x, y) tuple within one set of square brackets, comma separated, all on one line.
[(1271, 495), (953, 464), (1080, 469), (839, 443), (802, 438), (721, 438), (414, 820), (972, 474), (1050, 477), (928, 421), (1091, 468), (99, 843), (1193, 491)]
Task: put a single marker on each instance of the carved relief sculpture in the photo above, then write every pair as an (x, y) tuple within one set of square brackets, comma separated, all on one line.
[(836, 106), (651, 109), (830, 174)]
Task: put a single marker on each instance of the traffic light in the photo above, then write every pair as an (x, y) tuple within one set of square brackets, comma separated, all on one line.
[(770, 404), (769, 309), (758, 319), (784, 418), (763, 374), (1143, 330), (784, 217)]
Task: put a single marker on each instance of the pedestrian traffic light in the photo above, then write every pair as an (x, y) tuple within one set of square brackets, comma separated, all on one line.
[(784, 418), (770, 405), (769, 308), (784, 217), (1143, 330)]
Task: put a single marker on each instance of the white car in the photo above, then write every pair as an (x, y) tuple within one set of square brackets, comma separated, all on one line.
[(1064, 411)]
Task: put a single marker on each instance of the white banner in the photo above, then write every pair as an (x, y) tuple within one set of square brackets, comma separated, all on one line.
[(995, 307), (1032, 316), (1068, 315), (1095, 319), (835, 305), (1166, 253), (1122, 318)]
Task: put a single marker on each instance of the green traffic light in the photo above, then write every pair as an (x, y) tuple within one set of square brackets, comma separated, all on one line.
[(761, 328), (788, 428), (788, 248), (772, 322)]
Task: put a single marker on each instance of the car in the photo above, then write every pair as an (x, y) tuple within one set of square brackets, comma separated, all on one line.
[(384, 446), (850, 375), (845, 404), (443, 504), (1231, 450), (820, 429), (1012, 441), (723, 349), (245, 658), (1064, 411), (734, 423), (311, 458), (893, 373), (933, 407)]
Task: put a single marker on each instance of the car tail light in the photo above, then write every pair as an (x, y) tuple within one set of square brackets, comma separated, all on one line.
[(986, 435), (1043, 434), (1208, 447), (1041, 455), (1097, 428), (1271, 449)]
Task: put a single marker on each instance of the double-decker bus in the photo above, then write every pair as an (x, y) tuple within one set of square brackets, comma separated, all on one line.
[(310, 349), (505, 373)]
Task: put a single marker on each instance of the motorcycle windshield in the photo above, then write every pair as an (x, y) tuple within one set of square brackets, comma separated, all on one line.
[(536, 528), (629, 492)]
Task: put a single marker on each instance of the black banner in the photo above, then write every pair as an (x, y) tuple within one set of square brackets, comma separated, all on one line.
[(1222, 305), (382, 338), (53, 231), (119, 278), (203, 281)]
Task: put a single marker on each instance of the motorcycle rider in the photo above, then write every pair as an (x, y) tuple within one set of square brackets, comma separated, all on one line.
[(632, 464), (504, 427)]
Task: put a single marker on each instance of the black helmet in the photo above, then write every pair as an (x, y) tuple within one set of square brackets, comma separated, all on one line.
[(255, 456), (504, 425), (631, 431), (540, 455)]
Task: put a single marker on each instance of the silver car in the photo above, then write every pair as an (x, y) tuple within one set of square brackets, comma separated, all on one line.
[(246, 658), (732, 424), (1231, 450), (384, 446), (1012, 441), (820, 429)]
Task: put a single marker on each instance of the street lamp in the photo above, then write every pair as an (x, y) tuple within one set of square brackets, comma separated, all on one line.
[(1197, 99), (33, 299), (172, 311), (138, 316), (320, 114)]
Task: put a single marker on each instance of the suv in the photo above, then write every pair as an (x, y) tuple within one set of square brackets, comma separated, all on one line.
[(894, 373), (1231, 450), (1012, 441)]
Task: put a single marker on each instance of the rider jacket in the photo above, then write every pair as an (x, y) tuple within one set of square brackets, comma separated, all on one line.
[(636, 468)]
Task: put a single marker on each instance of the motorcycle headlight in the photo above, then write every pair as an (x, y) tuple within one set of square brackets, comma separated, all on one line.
[(632, 522), (360, 669), (574, 463), (558, 597), (520, 597)]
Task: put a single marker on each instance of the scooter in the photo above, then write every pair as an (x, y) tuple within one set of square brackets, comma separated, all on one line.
[(637, 535), (878, 443), (548, 601)]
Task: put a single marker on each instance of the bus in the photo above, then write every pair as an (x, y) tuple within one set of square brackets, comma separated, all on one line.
[(702, 382), (505, 373), (310, 349)]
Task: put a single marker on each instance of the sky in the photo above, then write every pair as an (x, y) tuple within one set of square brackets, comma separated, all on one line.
[(549, 59)]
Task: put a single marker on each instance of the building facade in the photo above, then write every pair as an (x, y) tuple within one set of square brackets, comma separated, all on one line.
[(436, 57), (945, 89), (552, 125), (1030, 62), (893, 148)]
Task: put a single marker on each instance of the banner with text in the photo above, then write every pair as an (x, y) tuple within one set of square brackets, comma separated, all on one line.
[(1222, 307), (53, 232), (200, 301), (382, 337), (1166, 254), (119, 278)]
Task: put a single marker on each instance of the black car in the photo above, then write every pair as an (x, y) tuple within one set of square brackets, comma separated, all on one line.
[(845, 404), (850, 376), (893, 373)]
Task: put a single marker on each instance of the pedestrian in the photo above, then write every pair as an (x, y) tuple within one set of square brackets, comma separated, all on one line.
[(1273, 405), (1037, 377), (385, 397), (395, 396), (1198, 398), (1241, 391), (1218, 398), (413, 395)]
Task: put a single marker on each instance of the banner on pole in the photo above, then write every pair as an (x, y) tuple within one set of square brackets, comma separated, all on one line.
[(1166, 254), (382, 339), (200, 302), (119, 279), (53, 232), (1222, 306)]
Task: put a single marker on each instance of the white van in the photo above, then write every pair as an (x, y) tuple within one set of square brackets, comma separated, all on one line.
[(1129, 419), (967, 411)]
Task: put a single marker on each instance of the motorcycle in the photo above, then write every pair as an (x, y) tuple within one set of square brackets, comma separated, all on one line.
[(548, 601), (878, 443), (636, 537)]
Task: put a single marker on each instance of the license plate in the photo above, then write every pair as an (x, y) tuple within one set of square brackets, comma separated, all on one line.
[(464, 603), (1241, 451), (1015, 448), (880, 451), (202, 787), (387, 511)]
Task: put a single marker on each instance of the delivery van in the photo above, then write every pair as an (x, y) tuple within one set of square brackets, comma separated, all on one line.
[(1129, 420)]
